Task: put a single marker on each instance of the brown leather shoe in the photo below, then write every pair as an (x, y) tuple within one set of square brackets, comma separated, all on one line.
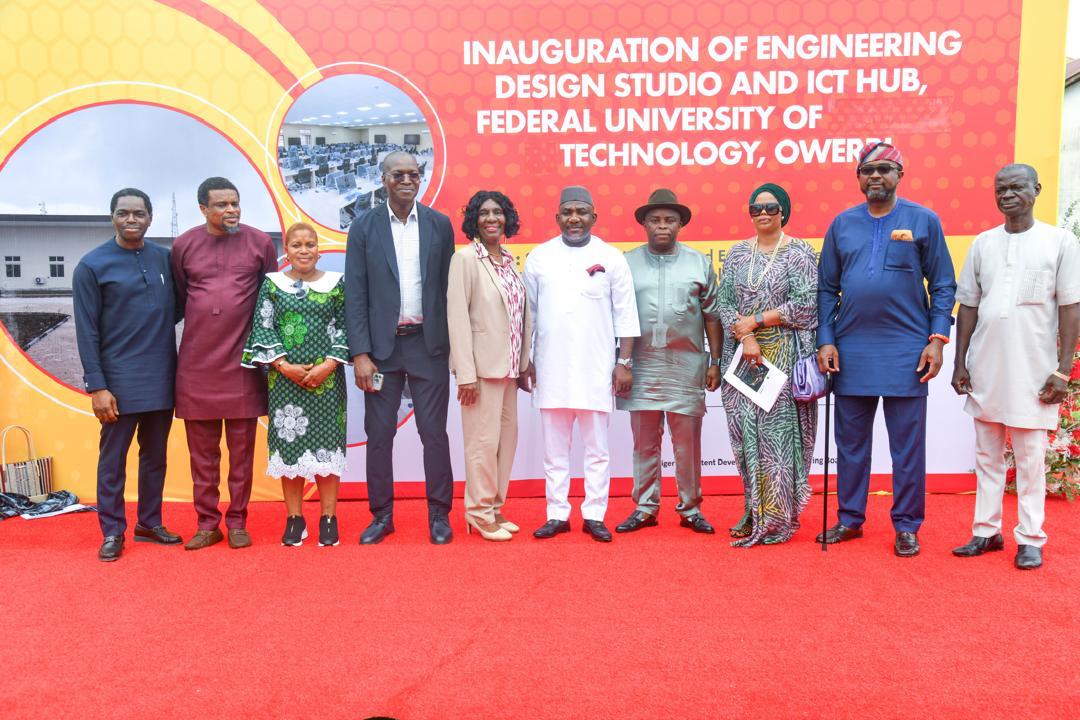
[(204, 539), (239, 538)]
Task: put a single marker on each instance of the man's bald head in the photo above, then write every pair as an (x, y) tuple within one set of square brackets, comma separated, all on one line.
[(1020, 167)]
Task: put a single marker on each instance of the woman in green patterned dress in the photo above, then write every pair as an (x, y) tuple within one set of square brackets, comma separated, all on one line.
[(768, 299), (299, 332)]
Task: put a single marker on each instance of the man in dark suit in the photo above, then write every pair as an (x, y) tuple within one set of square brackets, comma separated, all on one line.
[(396, 267)]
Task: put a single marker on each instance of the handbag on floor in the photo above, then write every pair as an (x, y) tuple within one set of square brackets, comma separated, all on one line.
[(31, 477), (808, 384)]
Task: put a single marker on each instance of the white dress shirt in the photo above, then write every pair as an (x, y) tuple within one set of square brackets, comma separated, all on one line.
[(407, 249)]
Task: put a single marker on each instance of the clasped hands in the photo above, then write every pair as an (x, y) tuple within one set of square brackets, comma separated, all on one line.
[(307, 375)]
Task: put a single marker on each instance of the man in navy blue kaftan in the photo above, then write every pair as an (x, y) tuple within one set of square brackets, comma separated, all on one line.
[(125, 318), (885, 300)]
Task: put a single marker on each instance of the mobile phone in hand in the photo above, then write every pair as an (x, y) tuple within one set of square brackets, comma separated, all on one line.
[(376, 381)]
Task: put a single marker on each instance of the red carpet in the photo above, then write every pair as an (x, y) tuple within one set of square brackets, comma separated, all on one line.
[(659, 624)]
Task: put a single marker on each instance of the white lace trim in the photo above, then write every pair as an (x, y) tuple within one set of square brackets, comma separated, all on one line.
[(323, 285), (263, 354), (322, 463)]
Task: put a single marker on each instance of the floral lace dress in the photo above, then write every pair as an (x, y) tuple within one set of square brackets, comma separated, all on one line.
[(304, 324)]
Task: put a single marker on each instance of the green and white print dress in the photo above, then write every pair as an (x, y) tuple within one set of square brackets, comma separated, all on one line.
[(304, 325)]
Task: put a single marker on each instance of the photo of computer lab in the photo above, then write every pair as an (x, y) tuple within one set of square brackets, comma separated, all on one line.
[(334, 138)]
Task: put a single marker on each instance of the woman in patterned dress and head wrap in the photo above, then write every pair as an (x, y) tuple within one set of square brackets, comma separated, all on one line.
[(298, 332), (768, 299)]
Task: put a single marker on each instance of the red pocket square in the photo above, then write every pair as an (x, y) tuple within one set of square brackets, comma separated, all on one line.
[(595, 269)]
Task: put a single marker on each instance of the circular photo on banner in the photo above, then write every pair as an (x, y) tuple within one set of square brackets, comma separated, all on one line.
[(55, 190), (334, 138)]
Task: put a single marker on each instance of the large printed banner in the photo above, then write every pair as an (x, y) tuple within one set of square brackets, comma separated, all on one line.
[(296, 102)]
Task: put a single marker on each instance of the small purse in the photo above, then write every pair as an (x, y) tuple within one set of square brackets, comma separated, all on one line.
[(807, 381)]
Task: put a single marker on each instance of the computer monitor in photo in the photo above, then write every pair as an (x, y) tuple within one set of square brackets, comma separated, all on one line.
[(412, 139), (379, 139), (346, 183)]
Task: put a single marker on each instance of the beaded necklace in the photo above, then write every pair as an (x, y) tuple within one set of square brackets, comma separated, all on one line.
[(754, 285)]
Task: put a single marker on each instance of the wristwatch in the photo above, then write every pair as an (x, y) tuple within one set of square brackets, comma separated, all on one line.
[(627, 363), (759, 319), (715, 361)]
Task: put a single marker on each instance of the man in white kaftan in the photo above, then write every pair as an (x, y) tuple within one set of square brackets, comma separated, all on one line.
[(581, 296), (1018, 294)]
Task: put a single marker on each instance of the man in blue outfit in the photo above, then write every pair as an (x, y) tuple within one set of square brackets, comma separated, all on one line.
[(125, 317), (875, 314)]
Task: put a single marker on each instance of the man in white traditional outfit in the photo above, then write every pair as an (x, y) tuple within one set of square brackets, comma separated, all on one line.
[(581, 296), (1016, 334)]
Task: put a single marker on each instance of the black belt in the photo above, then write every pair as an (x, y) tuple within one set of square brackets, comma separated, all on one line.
[(409, 329)]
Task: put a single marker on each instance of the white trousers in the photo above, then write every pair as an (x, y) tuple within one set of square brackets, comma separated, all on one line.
[(1029, 448), (558, 425)]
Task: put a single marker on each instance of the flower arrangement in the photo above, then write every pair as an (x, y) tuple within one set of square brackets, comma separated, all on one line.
[(1063, 453)]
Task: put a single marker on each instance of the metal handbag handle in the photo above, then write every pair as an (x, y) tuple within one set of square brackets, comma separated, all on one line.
[(29, 443)]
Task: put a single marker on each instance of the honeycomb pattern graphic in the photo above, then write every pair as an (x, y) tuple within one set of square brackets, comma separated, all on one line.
[(238, 65), (961, 115)]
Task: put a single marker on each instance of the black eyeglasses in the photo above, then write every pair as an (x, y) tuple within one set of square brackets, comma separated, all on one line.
[(769, 208), (301, 291), (882, 170)]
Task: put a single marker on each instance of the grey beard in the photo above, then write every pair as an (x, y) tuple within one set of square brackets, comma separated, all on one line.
[(232, 229), (879, 195), (577, 243)]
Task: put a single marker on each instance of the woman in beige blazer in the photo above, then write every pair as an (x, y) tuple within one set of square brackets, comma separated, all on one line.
[(490, 334)]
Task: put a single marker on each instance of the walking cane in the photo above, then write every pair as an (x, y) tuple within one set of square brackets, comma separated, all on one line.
[(825, 491)]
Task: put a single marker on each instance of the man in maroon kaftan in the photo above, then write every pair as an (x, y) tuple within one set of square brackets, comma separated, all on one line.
[(217, 269)]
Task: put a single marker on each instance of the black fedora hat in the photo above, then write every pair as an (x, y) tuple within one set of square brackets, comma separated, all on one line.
[(662, 198)]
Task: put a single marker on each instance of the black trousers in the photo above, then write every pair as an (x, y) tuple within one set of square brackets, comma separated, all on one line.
[(429, 385), (153, 433)]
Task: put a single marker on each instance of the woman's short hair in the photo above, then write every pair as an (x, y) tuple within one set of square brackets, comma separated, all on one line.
[(471, 212), (297, 227)]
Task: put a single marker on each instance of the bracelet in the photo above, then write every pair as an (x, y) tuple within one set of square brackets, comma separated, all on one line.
[(1061, 375), (939, 336)]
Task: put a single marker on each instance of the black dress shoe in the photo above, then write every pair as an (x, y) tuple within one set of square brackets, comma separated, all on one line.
[(698, 524), (839, 533), (1028, 557), (597, 530), (158, 534), (906, 545), (441, 534), (551, 528), (111, 548), (379, 528), (979, 545), (636, 521)]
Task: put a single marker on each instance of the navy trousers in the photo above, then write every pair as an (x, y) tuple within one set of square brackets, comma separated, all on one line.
[(429, 385), (905, 419), (153, 433)]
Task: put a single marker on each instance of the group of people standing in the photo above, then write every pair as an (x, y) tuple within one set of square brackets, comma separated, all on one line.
[(585, 329)]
